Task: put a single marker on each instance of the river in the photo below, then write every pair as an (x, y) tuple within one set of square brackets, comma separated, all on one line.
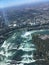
[(19, 47)]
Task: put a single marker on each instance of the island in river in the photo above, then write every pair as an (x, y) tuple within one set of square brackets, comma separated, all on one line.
[(41, 42)]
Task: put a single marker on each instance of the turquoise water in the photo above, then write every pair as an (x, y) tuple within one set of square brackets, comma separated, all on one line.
[(20, 47)]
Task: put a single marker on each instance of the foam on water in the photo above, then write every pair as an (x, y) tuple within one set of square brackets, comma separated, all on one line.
[(27, 55), (27, 60), (25, 46)]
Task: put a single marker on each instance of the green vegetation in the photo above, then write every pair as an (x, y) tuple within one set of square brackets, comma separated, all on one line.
[(42, 46)]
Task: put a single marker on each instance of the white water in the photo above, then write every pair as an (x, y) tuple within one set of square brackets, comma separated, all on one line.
[(26, 46)]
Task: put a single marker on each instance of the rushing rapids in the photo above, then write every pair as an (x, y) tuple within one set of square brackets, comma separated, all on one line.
[(19, 47)]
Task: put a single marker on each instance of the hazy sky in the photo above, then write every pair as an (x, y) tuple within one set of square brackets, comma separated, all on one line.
[(6, 3)]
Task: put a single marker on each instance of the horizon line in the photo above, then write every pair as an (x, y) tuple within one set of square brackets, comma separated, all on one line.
[(25, 4)]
